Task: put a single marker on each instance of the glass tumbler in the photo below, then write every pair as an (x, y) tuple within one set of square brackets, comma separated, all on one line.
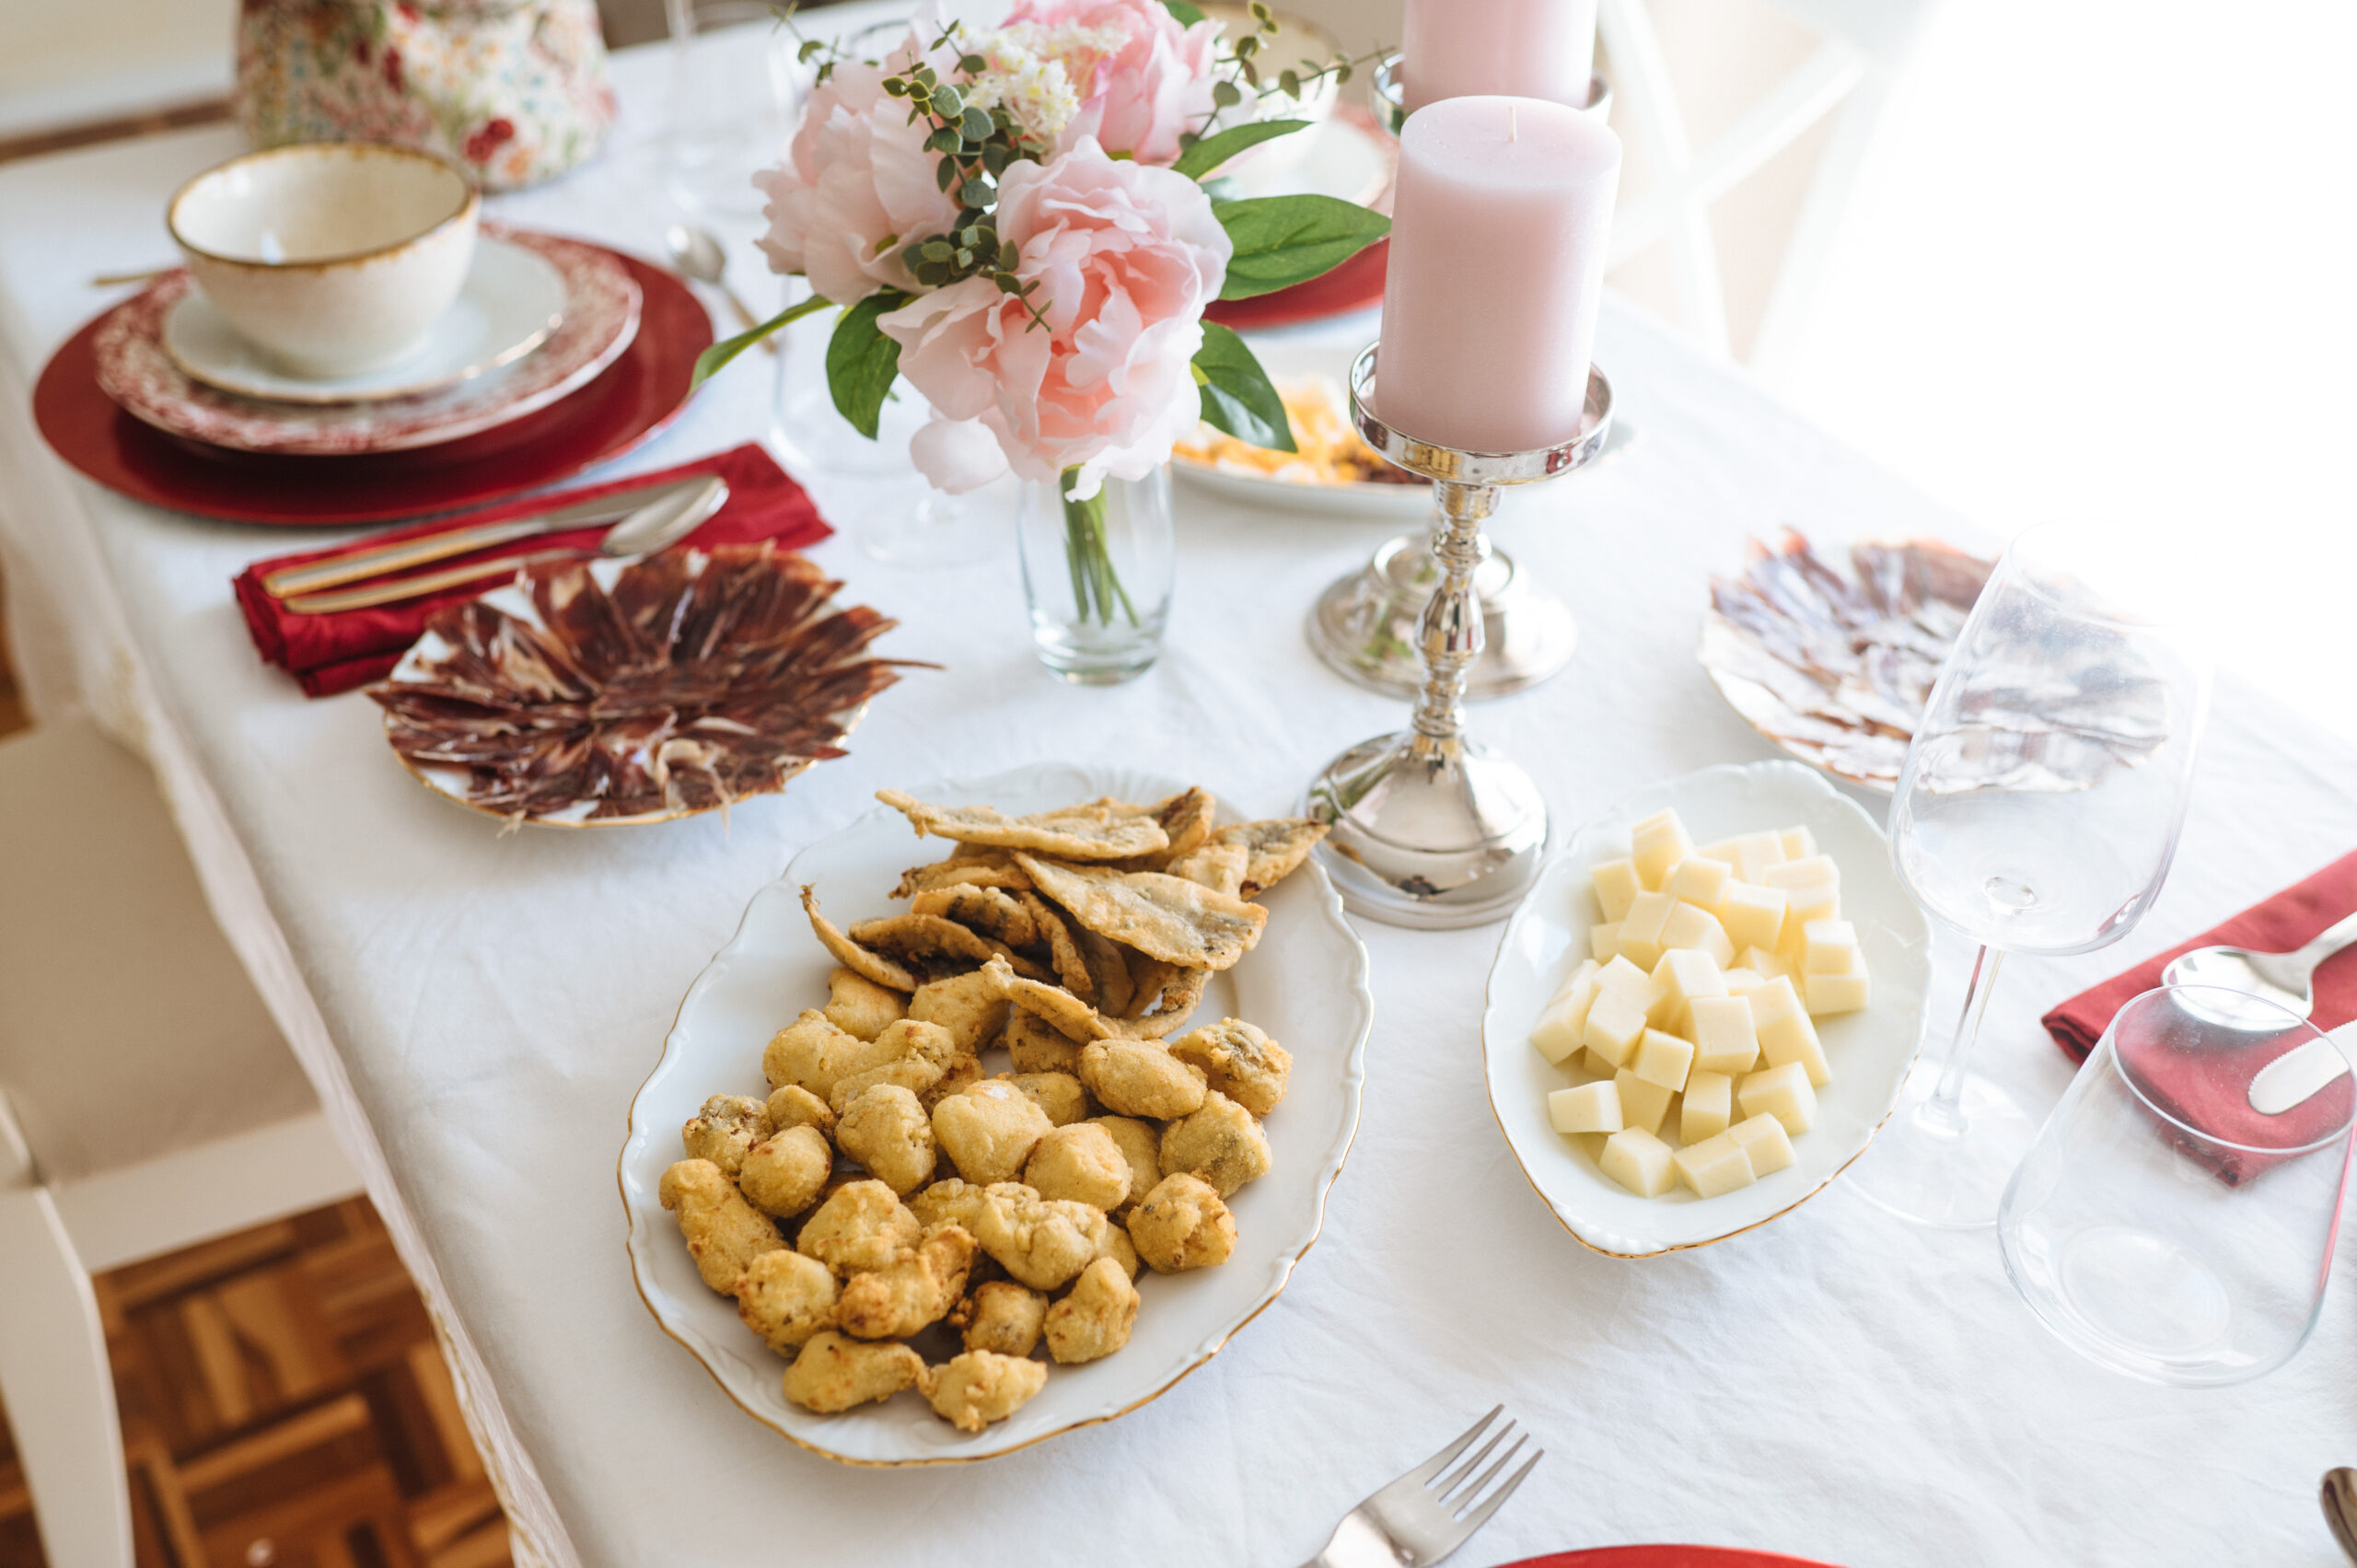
[(2164, 1224), (1097, 575)]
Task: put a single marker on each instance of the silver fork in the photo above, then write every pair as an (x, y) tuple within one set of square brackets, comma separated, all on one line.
[(1425, 1515)]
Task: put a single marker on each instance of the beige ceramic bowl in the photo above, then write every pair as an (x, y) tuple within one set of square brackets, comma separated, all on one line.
[(335, 258)]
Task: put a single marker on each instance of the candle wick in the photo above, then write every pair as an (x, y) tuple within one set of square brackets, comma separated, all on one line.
[(1513, 132)]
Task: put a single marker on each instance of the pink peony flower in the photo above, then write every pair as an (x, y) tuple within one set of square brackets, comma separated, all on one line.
[(1138, 96), (1126, 257), (857, 187)]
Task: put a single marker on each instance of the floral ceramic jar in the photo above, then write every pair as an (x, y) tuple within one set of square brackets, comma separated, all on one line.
[(515, 90)]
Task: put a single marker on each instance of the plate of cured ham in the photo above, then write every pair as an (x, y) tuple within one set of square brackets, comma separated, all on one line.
[(611, 694)]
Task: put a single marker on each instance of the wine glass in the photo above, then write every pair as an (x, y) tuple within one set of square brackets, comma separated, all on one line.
[(2175, 1220), (2036, 812)]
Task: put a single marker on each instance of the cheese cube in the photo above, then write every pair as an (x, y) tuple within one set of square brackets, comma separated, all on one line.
[(1684, 973), (1799, 844), (1722, 850), (1810, 901), (1781, 1092), (1663, 1059), (1827, 994), (1755, 853), (1753, 916), (1742, 982), (1595, 1062), (1830, 946), (1765, 962), (1613, 1026), (1724, 1041), (1585, 1108), (1698, 931), (1616, 884), (1802, 873), (1713, 1166), (1642, 1104), (1657, 843), (1629, 983), (1763, 1138), (1700, 880), (1603, 941), (1638, 1161), (1707, 1107), (1557, 1033), (1786, 1033), (1640, 939)]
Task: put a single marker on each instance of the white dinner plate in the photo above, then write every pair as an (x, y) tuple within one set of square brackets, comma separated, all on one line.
[(1306, 983), (1869, 1050), (511, 301)]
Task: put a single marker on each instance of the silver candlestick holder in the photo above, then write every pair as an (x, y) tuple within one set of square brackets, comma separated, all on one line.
[(1426, 827), (1389, 89)]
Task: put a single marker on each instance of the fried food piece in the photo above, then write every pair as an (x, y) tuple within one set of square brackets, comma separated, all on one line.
[(989, 911), (857, 1005), (813, 1052), (1274, 848), (1181, 997), (1218, 866), (1241, 1062), (793, 1106), (724, 1129), (785, 1298), (786, 1171), (1187, 820), (916, 1288), (989, 1130), (725, 1233), (1107, 963), (1074, 1018), (850, 953), (864, 1225), (916, 937), (1120, 1249), (1148, 979), (1139, 1077), (1043, 1242), (978, 1386), (1162, 916), (1080, 1162), (950, 1202), (1038, 1045), (1069, 833), (834, 1374), (1063, 944), (1003, 1316), (967, 867), (1220, 1142), (922, 1057), (1094, 1320), (1140, 1143), (1058, 1094), (972, 1007), (885, 1129), (1182, 1224), (964, 1073)]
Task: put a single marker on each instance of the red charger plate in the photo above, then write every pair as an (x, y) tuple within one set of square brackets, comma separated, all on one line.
[(1666, 1557), (635, 396), (1354, 285)]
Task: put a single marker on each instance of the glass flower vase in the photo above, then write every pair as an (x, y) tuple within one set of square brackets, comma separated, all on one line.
[(1096, 574)]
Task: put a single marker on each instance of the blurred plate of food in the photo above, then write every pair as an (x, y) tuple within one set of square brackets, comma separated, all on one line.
[(1333, 472)]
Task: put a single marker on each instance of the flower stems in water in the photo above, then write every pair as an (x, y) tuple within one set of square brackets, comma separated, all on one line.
[(1095, 587)]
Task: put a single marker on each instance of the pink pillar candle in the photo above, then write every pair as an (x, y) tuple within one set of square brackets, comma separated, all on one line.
[(1498, 232), (1520, 48)]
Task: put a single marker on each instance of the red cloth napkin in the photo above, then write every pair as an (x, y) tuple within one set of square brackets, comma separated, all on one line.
[(2213, 1094), (329, 654)]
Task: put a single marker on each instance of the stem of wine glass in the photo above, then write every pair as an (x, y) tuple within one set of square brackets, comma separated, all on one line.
[(1945, 1109)]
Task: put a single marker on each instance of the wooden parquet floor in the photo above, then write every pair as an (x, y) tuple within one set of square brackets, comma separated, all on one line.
[(283, 1406)]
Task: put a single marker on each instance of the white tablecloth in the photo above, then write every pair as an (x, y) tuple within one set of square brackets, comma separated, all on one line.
[(479, 1009)]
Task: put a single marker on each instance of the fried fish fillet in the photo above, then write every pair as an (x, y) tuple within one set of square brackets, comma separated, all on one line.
[(1274, 849), (1163, 917), (850, 953), (1071, 834)]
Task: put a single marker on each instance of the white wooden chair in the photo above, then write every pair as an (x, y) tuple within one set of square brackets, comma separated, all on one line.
[(1863, 44), (146, 1102)]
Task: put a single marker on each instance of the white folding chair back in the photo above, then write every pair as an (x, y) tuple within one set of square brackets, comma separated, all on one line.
[(146, 1102), (1861, 44)]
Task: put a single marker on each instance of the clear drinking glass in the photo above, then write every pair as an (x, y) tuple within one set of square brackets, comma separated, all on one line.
[(736, 93), (2163, 1226), (1097, 575), (2037, 812)]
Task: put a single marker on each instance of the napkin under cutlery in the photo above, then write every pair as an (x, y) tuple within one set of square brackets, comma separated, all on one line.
[(328, 654)]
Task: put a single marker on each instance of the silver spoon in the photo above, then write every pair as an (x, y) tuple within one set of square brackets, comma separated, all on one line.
[(665, 520), (2284, 978), (2340, 1499), (697, 254)]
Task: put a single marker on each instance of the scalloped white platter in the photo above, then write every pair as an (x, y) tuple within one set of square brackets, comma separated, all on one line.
[(1306, 983), (1869, 1050)]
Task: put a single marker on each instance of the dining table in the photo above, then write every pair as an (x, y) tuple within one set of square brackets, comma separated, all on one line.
[(477, 1007)]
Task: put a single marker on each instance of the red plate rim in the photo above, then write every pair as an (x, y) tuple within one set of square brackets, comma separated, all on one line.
[(632, 399), (1665, 1556)]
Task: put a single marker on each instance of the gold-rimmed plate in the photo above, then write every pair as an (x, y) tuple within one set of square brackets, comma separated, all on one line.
[(1870, 1051), (1306, 983)]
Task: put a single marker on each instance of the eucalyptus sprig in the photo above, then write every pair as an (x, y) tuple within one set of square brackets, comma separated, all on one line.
[(976, 146)]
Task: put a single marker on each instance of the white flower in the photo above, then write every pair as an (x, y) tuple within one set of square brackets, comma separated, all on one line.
[(1032, 72)]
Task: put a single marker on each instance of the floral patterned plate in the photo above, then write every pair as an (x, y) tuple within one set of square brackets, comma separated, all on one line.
[(600, 317)]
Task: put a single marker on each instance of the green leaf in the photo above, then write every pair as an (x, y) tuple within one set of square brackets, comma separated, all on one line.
[(709, 362), (1188, 16), (862, 363), (1237, 393), (1214, 150), (1282, 241)]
